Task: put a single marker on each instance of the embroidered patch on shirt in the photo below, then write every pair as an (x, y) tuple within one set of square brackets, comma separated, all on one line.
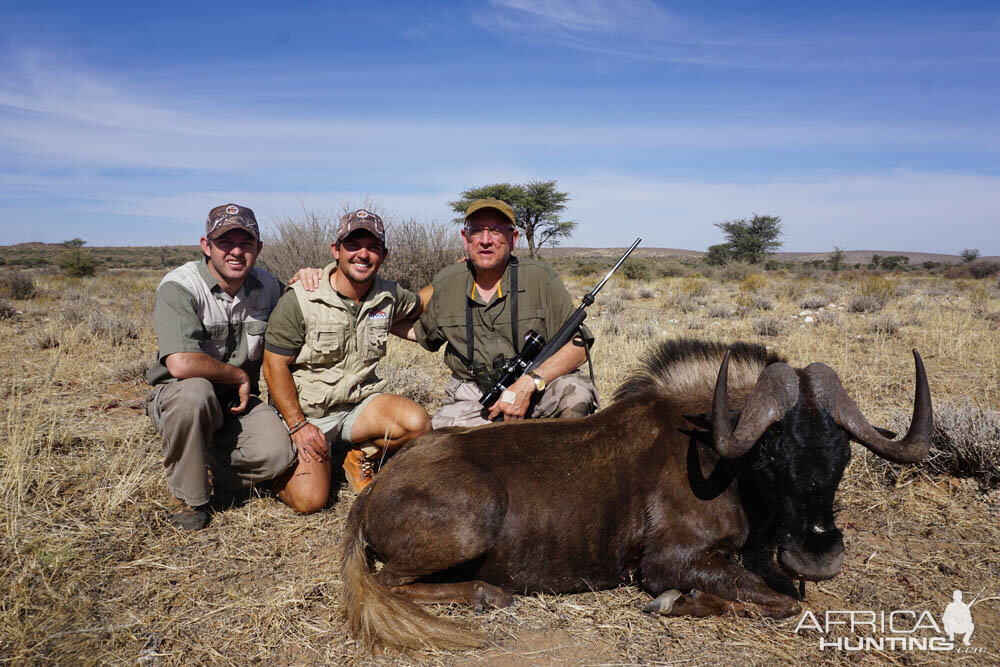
[(378, 315)]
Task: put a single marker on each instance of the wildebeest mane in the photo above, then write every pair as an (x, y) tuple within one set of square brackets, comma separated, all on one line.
[(684, 370)]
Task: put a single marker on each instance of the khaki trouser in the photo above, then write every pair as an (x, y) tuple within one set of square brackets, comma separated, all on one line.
[(198, 433), (572, 395)]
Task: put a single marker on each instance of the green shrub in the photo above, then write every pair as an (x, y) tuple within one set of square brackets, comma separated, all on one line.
[(76, 262), (635, 269)]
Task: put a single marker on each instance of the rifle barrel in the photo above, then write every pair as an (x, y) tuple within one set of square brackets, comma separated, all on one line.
[(614, 268)]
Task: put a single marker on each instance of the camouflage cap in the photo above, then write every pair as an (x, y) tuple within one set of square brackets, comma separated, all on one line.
[(230, 216), (361, 219), (493, 203)]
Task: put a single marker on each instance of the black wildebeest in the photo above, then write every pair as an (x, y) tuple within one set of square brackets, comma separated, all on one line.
[(665, 487)]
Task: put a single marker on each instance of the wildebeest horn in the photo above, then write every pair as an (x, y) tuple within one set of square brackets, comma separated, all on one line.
[(911, 448), (774, 394)]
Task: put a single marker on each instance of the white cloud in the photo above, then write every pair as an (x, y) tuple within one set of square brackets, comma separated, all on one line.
[(598, 16), (62, 131)]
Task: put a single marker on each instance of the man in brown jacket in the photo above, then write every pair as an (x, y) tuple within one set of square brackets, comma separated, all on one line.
[(321, 350)]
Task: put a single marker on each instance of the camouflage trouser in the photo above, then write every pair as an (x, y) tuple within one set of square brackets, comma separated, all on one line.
[(572, 395)]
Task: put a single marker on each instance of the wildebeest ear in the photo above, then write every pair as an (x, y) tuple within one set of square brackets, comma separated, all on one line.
[(704, 420)]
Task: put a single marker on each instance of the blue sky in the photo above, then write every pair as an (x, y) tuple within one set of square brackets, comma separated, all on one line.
[(863, 125)]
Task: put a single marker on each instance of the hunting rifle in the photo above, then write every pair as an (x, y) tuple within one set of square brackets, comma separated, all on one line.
[(536, 350)]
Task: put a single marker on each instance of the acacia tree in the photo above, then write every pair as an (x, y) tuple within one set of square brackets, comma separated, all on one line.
[(536, 204), (836, 259), (970, 254), (752, 240)]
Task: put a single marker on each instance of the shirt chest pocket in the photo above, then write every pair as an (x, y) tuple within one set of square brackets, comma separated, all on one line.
[(214, 342), (532, 318), (377, 337), (330, 342), (255, 339)]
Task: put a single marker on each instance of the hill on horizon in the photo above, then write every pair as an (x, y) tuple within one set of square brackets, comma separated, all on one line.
[(38, 253)]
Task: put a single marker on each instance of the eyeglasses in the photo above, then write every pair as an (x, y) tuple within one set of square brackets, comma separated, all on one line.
[(494, 230)]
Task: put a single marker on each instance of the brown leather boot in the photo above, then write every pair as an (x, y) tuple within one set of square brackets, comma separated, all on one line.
[(360, 466), (182, 515)]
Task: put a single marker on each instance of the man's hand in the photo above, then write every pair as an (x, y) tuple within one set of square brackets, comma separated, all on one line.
[(519, 398), (184, 365), (311, 444), (243, 390), (309, 277)]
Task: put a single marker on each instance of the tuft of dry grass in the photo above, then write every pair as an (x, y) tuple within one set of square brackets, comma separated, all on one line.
[(91, 572), (17, 285), (872, 294), (885, 323), (768, 326), (965, 444), (814, 300)]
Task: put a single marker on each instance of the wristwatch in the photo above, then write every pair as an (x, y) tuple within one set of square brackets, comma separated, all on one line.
[(539, 381)]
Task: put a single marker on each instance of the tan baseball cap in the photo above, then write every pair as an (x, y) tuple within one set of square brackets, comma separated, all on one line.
[(361, 219), (230, 216), (496, 204)]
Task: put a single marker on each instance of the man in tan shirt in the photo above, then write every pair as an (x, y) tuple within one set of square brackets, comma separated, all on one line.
[(210, 316), (321, 349)]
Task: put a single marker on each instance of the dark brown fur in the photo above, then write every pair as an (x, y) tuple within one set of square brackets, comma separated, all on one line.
[(557, 506)]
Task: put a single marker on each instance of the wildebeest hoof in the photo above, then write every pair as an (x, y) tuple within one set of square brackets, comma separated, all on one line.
[(664, 603), (487, 595)]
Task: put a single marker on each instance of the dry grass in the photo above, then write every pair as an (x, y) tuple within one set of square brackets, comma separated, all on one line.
[(91, 573)]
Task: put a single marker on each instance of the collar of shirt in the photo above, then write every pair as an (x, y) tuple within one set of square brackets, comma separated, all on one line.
[(326, 294), (249, 285), (473, 292)]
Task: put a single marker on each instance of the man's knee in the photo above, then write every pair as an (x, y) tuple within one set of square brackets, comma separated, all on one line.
[(568, 396), (192, 397), (581, 409), (416, 421), (459, 413), (306, 487)]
